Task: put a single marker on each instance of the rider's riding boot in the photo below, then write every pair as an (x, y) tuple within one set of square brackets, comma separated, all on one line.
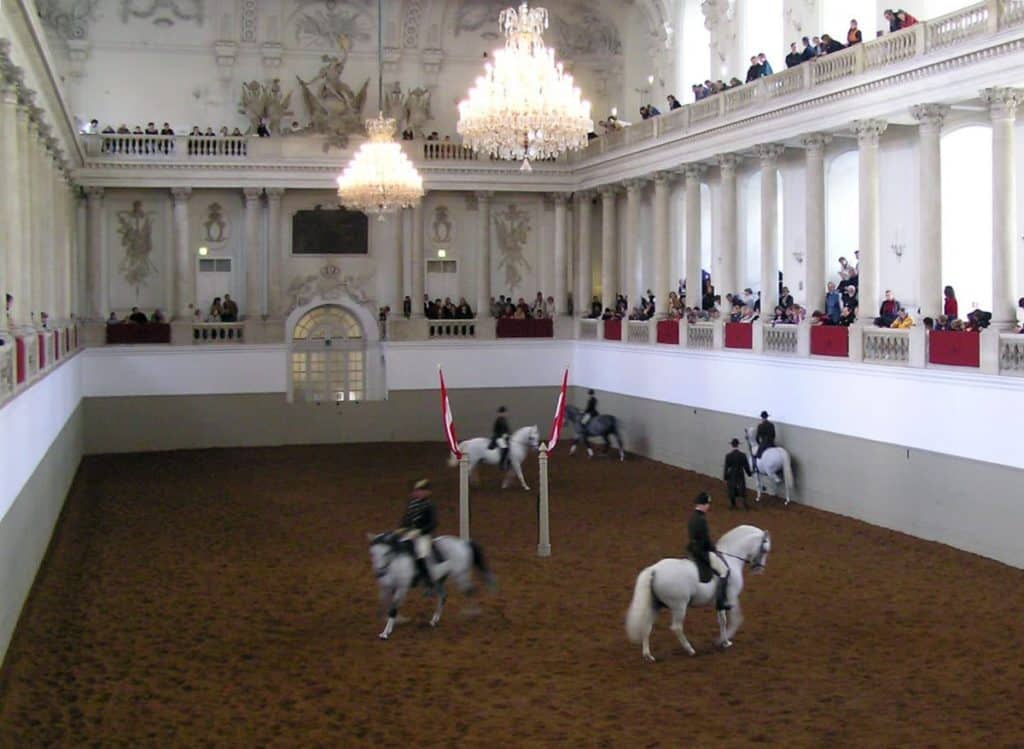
[(721, 598)]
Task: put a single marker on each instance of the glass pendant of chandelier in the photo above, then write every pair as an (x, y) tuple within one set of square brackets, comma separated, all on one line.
[(524, 106), (380, 178)]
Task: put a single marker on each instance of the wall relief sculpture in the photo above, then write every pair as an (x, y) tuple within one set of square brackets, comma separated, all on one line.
[(513, 228), (321, 24), (329, 284), (266, 103), (163, 12), (68, 18), (335, 110), (136, 230), (216, 228)]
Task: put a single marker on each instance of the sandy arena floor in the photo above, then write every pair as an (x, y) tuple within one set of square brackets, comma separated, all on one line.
[(224, 598)]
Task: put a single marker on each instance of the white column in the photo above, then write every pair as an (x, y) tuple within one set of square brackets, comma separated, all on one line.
[(727, 163), (662, 285), (418, 269), (868, 133), (184, 262), (609, 280), (768, 154), (253, 256), (631, 283), (561, 263), (814, 251), (483, 266), (1003, 104), (929, 193), (275, 248), (584, 271), (694, 277), (96, 260)]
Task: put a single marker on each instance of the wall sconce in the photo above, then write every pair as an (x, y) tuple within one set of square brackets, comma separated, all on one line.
[(897, 249), (798, 256)]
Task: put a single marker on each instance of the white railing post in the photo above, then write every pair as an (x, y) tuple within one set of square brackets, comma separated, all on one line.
[(543, 528), (464, 497)]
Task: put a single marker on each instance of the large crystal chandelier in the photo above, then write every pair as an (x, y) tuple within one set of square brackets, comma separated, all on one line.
[(380, 178), (525, 105)]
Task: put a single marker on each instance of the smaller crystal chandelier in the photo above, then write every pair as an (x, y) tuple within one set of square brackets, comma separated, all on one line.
[(380, 178), (524, 106)]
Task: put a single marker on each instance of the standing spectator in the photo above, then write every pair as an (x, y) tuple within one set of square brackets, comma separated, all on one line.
[(949, 305), (853, 35), (833, 306), (794, 58)]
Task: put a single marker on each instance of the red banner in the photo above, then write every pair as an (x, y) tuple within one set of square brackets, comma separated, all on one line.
[(556, 425), (446, 419)]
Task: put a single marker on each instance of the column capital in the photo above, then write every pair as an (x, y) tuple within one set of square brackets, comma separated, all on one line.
[(274, 193), (816, 141), (93, 193), (1002, 101), (181, 194), (693, 171), (868, 131), (930, 115), (252, 193), (728, 162), (769, 153)]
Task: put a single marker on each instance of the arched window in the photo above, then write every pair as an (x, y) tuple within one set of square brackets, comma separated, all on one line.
[(842, 198), (967, 216), (328, 356)]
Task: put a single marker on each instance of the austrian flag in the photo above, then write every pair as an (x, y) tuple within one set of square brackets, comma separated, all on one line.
[(447, 421), (556, 425)]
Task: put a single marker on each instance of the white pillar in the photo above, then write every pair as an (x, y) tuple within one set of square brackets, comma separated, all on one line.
[(561, 263), (609, 280), (584, 270), (1003, 104), (694, 277), (929, 193), (96, 260), (418, 268), (662, 285), (184, 262), (253, 256), (814, 231), (727, 284), (483, 266), (868, 133), (275, 248), (768, 154)]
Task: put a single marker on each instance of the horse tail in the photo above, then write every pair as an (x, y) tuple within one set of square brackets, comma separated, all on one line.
[(640, 616), (481, 564), (787, 469)]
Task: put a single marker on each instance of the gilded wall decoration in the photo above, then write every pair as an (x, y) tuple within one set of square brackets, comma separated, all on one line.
[(136, 230), (513, 229), (163, 12)]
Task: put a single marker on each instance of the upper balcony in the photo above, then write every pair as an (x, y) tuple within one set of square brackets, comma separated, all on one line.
[(947, 59)]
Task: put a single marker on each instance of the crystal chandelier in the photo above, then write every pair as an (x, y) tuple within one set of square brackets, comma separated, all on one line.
[(380, 178), (525, 105)]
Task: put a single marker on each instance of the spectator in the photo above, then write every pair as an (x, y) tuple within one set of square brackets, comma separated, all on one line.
[(833, 307), (215, 310), (794, 58), (853, 35), (949, 305), (229, 310), (137, 316), (766, 67), (903, 320), (756, 70), (830, 45), (888, 312), (673, 102)]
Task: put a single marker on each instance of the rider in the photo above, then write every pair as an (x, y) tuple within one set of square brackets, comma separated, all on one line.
[(591, 410), (418, 523), (736, 468), (702, 549), (499, 436), (765, 436)]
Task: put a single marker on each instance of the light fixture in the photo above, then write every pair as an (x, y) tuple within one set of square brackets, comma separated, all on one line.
[(525, 106), (380, 178)]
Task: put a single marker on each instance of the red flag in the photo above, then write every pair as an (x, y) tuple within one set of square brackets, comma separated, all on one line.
[(556, 425), (447, 421)]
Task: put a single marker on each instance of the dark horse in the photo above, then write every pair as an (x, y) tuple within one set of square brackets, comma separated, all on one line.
[(603, 425)]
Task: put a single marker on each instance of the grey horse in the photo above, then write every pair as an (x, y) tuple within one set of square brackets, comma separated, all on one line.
[(603, 426)]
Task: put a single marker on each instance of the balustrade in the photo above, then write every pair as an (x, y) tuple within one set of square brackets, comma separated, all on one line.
[(218, 332), (780, 339), (1011, 354), (886, 346)]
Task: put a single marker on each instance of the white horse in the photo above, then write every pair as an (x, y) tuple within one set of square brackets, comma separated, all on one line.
[(519, 445), (775, 464), (675, 584), (395, 570)]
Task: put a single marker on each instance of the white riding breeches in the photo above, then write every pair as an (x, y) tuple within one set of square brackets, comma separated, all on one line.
[(718, 565)]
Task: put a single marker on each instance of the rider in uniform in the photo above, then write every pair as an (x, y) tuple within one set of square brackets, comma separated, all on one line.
[(765, 436), (736, 468), (591, 410), (499, 436), (702, 550), (418, 523)]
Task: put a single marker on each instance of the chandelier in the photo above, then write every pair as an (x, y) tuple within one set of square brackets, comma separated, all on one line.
[(525, 105), (380, 178)]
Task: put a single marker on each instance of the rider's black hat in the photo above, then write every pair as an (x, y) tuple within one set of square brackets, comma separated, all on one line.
[(734, 442), (764, 414), (702, 499)]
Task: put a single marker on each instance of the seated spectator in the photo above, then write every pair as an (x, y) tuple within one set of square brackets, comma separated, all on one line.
[(794, 57), (215, 310), (903, 320), (846, 317), (888, 312), (673, 102), (157, 316), (137, 316), (853, 35), (949, 305), (830, 45), (229, 310)]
